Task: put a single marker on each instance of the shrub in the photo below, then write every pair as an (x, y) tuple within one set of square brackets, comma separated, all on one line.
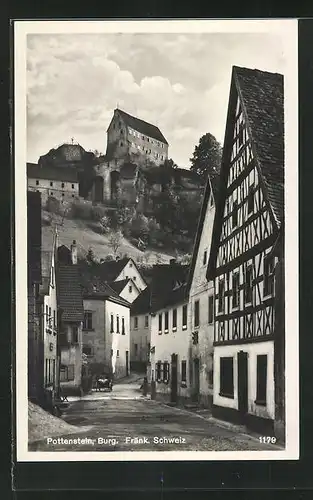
[(82, 210), (98, 212), (54, 206)]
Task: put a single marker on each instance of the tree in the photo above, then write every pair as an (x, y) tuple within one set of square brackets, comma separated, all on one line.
[(206, 157), (115, 240), (169, 163), (90, 257)]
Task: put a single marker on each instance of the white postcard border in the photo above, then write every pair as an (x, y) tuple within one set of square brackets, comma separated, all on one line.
[(288, 30)]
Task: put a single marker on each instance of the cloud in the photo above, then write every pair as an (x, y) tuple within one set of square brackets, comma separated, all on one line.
[(178, 82)]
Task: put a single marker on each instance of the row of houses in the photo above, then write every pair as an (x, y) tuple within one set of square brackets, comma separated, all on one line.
[(217, 328), (211, 333)]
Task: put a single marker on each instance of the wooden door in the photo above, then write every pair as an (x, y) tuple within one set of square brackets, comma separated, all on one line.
[(242, 359), (174, 378)]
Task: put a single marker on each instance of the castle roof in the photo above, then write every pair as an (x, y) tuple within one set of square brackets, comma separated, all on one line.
[(35, 171), (142, 126)]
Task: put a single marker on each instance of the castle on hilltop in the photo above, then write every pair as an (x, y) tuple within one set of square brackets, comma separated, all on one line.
[(132, 170)]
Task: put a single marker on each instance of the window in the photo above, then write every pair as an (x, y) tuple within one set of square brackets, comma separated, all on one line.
[(268, 286), (184, 371), (62, 185), (50, 318), (87, 320), (235, 291), (185, 317), (117, 324), (227, 377), (146, 321), (51, 184), (54, 319), (121, 144), (166, 322), (130, 264), (134, 278), (62, 194), (248, 285), (112, 324), (73, 186), (75, 334), (250, 199), (221, 289), (205, 255), (73, 196), (197, 313), (87, 350), (111, 353), (261, 381), (117, 353), (174, 319), (67, 373), (51, 193), (130, 289), (123, 326), (211, 310), (37, 183), (160, 323), (166, 372), (136, 322), (159, 371), (235, 214)]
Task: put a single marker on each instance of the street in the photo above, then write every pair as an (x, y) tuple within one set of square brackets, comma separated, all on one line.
[(124, 420)]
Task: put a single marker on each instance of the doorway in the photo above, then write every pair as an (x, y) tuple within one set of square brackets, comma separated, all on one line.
[(99, 189)]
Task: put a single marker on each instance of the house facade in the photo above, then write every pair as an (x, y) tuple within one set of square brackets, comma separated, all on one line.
[(140, 331), (127, 289), (106, 331), (247, 226), (169, 332), (123, 269), (201, 302), (70, 319), (133, 139), (59, 183)]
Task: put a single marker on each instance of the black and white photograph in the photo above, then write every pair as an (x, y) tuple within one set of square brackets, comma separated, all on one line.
[(156, 222)]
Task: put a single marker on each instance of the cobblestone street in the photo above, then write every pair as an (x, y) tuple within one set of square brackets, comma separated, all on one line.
[(126, 421)]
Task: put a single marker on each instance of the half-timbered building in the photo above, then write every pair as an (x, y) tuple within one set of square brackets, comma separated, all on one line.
[(245, 252)]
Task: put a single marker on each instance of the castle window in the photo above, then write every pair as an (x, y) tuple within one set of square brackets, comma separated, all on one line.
[(62, 194), (37, 183), (51, 184), (143, 137), (51, 193), (73, 186), (121, 144), (62, 185), (73, 196)]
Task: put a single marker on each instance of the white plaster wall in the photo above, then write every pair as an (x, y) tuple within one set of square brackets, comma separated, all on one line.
[(140, 336), (130, 271), (253, 350), (50, 336), (130, 296), (72, 355), (117, 341), (169, 343), (57, 190)]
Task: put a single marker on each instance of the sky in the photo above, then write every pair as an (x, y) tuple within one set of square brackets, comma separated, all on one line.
[(179, 82)]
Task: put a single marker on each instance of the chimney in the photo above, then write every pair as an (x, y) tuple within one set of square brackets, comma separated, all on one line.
[(74, 252)]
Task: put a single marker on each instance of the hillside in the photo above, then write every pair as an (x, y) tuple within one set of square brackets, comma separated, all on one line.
[(86, 237)]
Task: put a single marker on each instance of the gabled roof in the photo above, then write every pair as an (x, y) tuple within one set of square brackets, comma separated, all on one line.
[(262, 99), (141, 126), (97, 289), (118, 286), (110, 270), (70, 298), (34, 171), (211, 188), (262, 96), (168, 285), (142, 304)]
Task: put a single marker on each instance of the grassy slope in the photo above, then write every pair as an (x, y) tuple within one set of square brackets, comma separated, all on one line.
[(69, 230)]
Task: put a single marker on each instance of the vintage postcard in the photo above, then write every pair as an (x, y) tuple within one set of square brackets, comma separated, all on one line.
[(156, 240)]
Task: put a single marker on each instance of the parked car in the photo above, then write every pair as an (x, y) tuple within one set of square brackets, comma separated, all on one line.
[(104, 382)]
